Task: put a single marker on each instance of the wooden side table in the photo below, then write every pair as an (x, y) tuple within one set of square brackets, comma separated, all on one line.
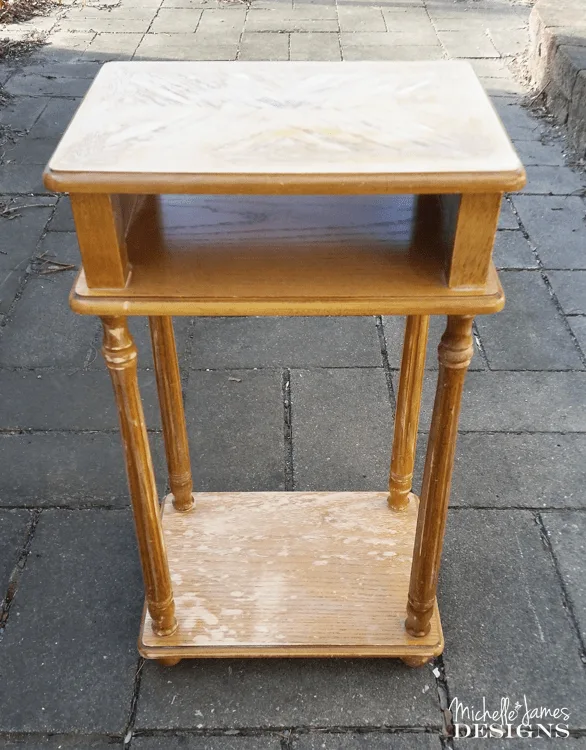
[(287, 189)]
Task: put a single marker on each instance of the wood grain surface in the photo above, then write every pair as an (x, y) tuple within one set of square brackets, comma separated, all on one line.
[(278, 573), (297, 255)]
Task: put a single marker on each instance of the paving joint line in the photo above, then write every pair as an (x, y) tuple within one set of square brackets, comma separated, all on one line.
[(546, 281), (289, 467), (128, 730), (18, 570), (565, 595), (380, 329)]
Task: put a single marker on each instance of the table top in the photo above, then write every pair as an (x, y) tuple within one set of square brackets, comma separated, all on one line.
[(285, 127)]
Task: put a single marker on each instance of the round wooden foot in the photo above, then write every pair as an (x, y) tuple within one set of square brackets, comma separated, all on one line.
[(415, 661), (169, 661)]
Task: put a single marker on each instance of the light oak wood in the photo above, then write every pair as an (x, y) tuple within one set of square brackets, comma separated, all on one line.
[(290, 574), (100, 225), (120, 355), (407, 414), (470, 252), (306, 127), (202, 255), (415, 661), (454, 354), (172, 413)]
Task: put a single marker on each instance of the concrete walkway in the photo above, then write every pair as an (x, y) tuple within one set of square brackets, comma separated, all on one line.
[(289, 403)]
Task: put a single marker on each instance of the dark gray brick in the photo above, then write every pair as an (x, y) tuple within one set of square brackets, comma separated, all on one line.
[(55, 119), (22, 84), (553, 181), (368, 741), (62, 400), (22, 112), (28, 150), (567, 533), (342, 429), (19, 237), (236, 425), (14, 525), (519, 124), (535, 153), (68, 655), (556, 228), (62, 220), (285, 342), (511, 250), (502, 470), (60, 742), (60, 246), (21, 178), (578, 326), (516, 401), (542, 743), (221, 742), (394, 328), (252, 693), (506, 630), (44, 332), (69, 469), (530, 333), (507, 218), (570, 289)]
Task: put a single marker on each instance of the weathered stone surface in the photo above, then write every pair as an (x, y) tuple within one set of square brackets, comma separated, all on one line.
[(68, 654), (570, 289), (516, 401), (556, 227), (254, 693), (284, 342), (507, 632), (342, 429), (235, 421), (530, 333), (511, 250), (60, 400), (501, 470), (70, 469), (368, 741), (14, 527), (218, 742), (567, 534)]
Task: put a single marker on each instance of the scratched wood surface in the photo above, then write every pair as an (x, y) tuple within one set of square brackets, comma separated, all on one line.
[(295, 255), (299, 573), (190, 126)]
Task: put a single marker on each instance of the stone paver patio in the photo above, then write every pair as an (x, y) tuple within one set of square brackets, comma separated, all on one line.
[(286, 403)]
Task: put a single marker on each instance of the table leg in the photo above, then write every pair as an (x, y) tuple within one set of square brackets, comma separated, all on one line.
[(454, 354), (172, 413), (120, 354), (408, 405)]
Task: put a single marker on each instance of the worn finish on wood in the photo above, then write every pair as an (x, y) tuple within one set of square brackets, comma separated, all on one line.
[(172, 413), (100, 225), (294, 127), (407, 414), (454, 354), (120, 355), (468, 260), (364, 255), (290, 574), (415, 661)]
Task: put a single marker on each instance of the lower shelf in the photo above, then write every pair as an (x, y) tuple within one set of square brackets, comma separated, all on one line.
[(290, 574)]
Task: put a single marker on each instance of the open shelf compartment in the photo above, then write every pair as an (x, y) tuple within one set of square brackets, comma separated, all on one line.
[(290, 574), (287, 255)]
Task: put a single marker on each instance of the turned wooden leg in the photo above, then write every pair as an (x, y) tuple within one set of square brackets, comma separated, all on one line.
[(454, 354), (120, 355), (172, 414), (407, 416)]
